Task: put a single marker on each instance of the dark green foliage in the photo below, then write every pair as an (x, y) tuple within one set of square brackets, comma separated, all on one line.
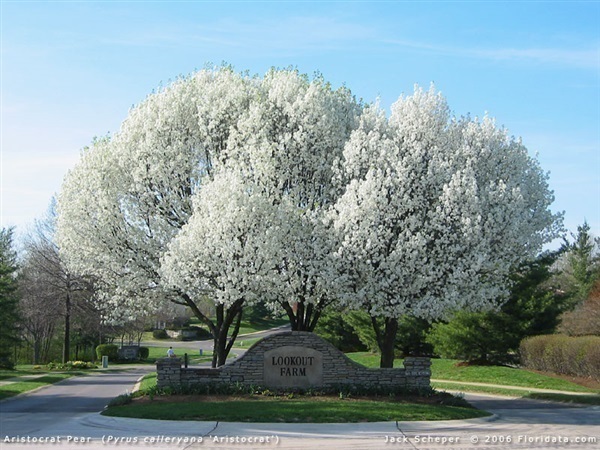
[(8, 298), (342, 390), (202, 333), (334, 327), (121, 400), (468, 336), (361, 325), (411, 339), (143, 352), (494, 337), (352, 331), (192, 333), (110, 350), (256, 313)]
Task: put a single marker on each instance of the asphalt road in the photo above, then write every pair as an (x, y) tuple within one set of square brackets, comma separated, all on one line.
[(66, 415), (41, 412)]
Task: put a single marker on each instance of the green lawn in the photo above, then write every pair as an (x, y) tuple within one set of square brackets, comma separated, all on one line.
[(247, 327), (312, 410), (246, 343), (148, 381), (446, 369), (148, 404)]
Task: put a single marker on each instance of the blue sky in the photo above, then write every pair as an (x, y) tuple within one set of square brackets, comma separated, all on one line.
[(71, 70)]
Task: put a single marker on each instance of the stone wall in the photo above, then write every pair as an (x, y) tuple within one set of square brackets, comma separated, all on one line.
[(296, 359)]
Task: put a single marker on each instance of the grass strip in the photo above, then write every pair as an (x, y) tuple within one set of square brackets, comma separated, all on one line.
[(454, 387), (447, 369), (314, 410), (12, 389), (8, 374), (149, 381)]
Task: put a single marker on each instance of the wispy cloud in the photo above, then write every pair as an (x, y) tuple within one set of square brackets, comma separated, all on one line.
[(585, 58), (289, 33)]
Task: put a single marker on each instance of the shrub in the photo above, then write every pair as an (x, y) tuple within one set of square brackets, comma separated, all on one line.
[(565, 355), (110, 350), (144, 352), (160, 334), (121, 400), (192, 333), (6, 363), (469, 337), (71, 365), (202, 333)]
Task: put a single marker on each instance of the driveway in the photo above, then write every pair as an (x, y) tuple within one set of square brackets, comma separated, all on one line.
[(66, 416)]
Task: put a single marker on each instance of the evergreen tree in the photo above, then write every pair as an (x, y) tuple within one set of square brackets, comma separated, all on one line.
[(533, 308), (8, 298), (582, 263)]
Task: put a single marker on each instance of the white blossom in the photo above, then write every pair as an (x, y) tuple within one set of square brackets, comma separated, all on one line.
[(436, 211)]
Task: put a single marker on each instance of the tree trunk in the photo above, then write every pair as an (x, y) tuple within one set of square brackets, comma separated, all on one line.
[(225, 317), (67, 339), (305, 317), (386, 339), (36, 351)]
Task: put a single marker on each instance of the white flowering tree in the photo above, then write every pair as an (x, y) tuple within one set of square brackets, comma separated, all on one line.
[(291, 139), (226, 251), (435, 213), (130, 194), (125, 204)]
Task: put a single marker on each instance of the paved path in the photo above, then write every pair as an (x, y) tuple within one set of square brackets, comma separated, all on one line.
[(22, 378), (68, 414), (513, 388)]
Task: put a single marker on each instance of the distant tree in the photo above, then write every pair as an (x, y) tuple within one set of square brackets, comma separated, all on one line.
[(354, 331), (584, 320), (257, 312), (40, 310), (9, 332), (580, 265), (334, 327), (66, 290)]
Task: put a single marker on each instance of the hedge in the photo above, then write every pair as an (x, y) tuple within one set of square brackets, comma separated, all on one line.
[(160, 334), (144, 352), (110, 350), (565, 355)]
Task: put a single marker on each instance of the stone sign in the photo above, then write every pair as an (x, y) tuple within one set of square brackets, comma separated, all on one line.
[(295, 360), (129, 352), (291, 366)]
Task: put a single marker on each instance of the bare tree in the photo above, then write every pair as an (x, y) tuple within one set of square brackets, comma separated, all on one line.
[(584, 320), (56, 285), (39, 311)]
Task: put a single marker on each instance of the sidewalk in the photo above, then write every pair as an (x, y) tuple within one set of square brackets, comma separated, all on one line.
[(512, 388), (22, 378)]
